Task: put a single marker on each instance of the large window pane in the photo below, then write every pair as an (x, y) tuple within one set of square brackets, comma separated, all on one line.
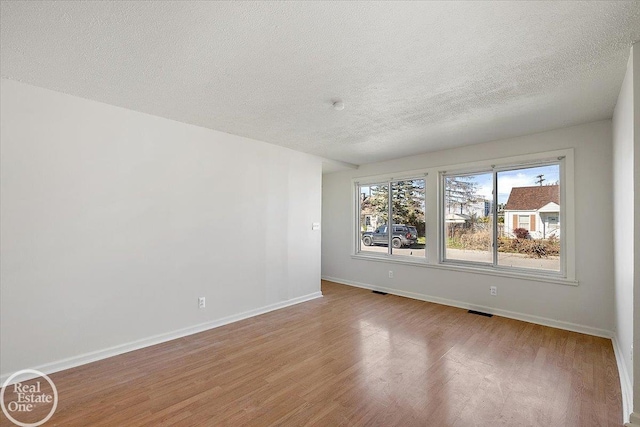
[(408, 206), (468, 217), (529, 218), (374, 217)]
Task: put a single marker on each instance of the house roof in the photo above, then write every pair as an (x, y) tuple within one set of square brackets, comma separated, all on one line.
[(532, 198)]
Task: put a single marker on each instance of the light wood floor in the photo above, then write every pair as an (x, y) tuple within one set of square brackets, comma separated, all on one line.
[(353, 358)]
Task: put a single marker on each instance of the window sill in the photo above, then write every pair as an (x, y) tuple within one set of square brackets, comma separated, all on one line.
[(397, 259), (420, 262)]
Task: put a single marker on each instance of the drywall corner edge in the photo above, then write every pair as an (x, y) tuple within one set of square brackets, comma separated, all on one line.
[(625, 380)]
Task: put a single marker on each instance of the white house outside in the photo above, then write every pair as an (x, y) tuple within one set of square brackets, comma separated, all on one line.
[(536, 209)]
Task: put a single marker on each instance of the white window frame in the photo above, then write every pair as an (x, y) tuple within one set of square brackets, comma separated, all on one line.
[(494, 169), (434, 216), (388, 180), (528, 217)]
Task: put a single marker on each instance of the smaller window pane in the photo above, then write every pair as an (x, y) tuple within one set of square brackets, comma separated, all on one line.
[(529, 226), (408, 205), (468, 218), (374, 215)]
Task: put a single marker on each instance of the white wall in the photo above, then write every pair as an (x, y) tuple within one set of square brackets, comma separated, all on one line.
[(623, 227), (589, 305), (115, 222)]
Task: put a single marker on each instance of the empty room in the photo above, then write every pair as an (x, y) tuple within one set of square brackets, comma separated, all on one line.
[(269, 213)]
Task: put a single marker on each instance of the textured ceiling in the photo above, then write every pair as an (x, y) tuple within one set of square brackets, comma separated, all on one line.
[(414, 77)]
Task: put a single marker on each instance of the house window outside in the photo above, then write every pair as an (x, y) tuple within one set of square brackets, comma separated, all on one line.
[(528, 196), (523, 222), (403, 207)]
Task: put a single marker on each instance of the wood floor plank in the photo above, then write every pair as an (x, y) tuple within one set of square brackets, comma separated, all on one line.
[(353, 358)]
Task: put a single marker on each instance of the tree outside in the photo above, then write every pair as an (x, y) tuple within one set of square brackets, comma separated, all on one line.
[(407, 204)]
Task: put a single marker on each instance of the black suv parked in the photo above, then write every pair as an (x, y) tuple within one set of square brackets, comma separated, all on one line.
[(402, 236)]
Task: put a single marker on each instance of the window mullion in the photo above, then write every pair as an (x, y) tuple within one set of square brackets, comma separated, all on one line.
[(494, 210), (358, 241), (390, 221)]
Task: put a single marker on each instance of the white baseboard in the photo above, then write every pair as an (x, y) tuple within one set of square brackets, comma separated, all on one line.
[(72, 362), (625, 380), (574, 327), (634, 420)]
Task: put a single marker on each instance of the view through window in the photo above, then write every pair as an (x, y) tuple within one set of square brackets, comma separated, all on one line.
[(529, 218), (468, 217), (393, 223), (516, 227)]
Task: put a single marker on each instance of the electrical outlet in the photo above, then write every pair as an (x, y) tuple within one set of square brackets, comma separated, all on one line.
[(493, 290), (201, 302), (390, 274)]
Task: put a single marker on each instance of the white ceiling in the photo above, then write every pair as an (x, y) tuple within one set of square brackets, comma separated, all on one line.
[(414, 77)]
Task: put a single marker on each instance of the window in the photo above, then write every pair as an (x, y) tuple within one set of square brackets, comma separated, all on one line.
[(402, 210), (525, 234), (508, 217)]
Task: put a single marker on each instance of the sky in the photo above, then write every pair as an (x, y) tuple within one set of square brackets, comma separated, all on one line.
[(516, 178)]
